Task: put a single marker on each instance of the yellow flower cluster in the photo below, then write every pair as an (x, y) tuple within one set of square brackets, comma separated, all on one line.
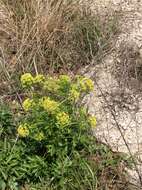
[(28, 104), (58, 87), (23, 130), (74, 95), (39, 79), (86, 84), (92, 121), (83, 84), (49, 105), (39, 136), (63, 119), (27, 79), (89, 84), (51, 85)]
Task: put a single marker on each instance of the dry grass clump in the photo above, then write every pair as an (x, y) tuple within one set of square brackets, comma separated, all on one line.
[(53, 35), (128, 68)]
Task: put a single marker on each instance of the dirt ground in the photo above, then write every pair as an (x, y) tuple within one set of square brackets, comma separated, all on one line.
[(117, 102)]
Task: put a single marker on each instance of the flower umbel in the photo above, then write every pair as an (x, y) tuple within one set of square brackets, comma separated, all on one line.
[(49, 105), (27, 80), (23, 130), (93, 121), (27, 104), (39, 79), (86, 84), (89, 84), (39, 136), (51, 85), (63, 119), (74, 95)]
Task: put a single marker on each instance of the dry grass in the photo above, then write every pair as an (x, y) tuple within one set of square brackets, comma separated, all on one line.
[(128, 67), (49, 36)]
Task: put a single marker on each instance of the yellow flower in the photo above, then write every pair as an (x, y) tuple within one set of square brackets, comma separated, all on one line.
[(93, 121), (27, 104), (49, 105), (86, 84), (26, 80), (39, 136), (23, 130), (74, 95), (63, 119), (83, 86), (89, 84), (39, 79), (51, 85)]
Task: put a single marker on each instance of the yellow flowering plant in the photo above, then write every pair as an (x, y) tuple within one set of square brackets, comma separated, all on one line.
[(92, 121), (50, 137), (52, 107), (28, 104), (63, 119), (23, 130), (39, 79), (26, 80), (53, 122)]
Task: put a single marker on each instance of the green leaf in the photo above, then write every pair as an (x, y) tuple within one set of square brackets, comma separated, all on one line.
[(2, 185)]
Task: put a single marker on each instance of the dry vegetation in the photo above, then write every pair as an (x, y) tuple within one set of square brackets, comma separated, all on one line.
[(128, 67), (49, 36)]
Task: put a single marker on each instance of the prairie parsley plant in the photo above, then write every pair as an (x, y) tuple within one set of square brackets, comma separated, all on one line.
[(92, 121), (74, 95), (55, 126), (23, 130), (27, 80), (49, 105), (63, 119), (39, 79), (28, 104), (39, 136), (86, 84)]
